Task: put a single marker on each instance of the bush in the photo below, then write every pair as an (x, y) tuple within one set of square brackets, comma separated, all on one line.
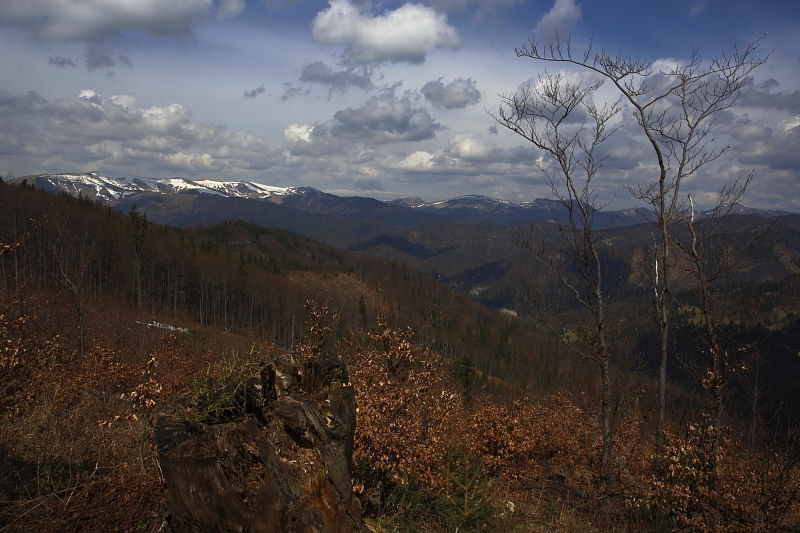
[(221, 398)]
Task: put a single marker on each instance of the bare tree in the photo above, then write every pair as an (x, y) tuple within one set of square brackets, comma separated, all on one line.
[(75, 255), (561, 118), (714, 258), (675, 110)]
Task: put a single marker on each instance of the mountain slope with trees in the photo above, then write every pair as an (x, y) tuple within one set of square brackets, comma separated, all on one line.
[(108, 317)]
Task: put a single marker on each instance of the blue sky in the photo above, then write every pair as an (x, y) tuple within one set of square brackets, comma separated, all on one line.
[(381, 99)]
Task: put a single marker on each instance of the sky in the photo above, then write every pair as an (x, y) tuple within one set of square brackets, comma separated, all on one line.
[(368, 98)]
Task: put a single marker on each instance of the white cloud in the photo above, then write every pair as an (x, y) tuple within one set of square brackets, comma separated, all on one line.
[(304, 139), (790, 123), (560, 19), (474, 148), (468, 154), (113, 133), (382, 119), (192, 162), (404, 35), (418, 161), (89, 20)]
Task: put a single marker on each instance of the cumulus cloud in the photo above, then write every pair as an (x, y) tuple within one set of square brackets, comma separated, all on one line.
[(96, 132), (90, 20), (385, 119), (418, 161), (470, 153), (382, 119), (561, 18), (472, 147), (306, 139), (404, 35), (337, 80), (762, 97), (772, 147), (255, 92), (457, 94)]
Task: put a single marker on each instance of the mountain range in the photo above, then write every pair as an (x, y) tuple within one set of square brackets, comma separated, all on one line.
[(409, 211), (466, 242), (470, 209)]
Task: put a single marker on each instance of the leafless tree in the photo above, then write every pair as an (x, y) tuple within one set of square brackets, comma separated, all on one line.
[(675, 109), (75, 254), (714, 257), (560, 118)]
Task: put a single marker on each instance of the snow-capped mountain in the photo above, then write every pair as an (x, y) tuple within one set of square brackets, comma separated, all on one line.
[(121, 191), (182, 201), (474, 201), (107, 189), (477, 208), (246, 189), (487, 203)]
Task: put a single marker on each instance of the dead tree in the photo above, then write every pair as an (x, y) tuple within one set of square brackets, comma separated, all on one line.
[(545, 114), (713, 259), (675, 110)]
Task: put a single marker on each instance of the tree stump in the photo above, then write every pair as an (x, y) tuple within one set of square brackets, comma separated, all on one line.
[(284, 468)]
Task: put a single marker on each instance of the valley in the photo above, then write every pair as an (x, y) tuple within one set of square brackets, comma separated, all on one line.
[(112, 312)]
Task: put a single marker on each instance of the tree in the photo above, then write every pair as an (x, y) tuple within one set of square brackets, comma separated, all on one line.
[(675, 111), (137, 228), (713, 260), (545, 115)]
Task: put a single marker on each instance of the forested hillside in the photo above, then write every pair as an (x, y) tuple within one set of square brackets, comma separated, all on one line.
[(468, 418)]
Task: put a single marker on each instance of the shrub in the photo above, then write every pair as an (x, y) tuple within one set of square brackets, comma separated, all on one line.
[(466, 504), (220, 395)]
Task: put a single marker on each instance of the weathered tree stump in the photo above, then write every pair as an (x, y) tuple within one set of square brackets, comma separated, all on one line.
[(284, 468)]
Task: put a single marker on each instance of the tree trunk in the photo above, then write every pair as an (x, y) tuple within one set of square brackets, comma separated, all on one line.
[(607, 425)]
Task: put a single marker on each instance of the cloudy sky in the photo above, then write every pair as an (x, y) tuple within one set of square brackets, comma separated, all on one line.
[(380, 99)]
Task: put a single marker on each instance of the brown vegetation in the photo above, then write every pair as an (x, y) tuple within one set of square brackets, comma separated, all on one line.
[(442, 443)]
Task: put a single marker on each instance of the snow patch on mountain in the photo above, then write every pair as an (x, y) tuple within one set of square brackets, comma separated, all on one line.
[(246, 189), (112, 189)]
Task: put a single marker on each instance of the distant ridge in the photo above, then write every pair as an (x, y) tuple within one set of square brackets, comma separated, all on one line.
[(96, 186), (402, 212)]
